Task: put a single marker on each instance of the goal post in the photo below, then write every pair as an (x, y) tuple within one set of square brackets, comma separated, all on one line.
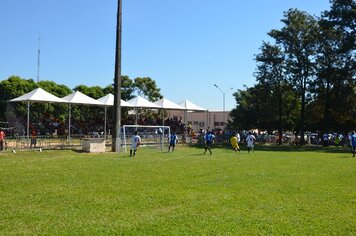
[(154, 136)]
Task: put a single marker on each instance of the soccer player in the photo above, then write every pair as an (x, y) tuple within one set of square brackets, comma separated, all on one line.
[(238, 137), (234, 143), (173, 140), (209, 138), (135, 142), (250, 139)]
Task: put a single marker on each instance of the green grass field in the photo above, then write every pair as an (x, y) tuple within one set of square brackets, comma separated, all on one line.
[(181, 193)]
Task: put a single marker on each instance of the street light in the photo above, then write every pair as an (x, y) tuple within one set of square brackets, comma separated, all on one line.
[(223, 100)]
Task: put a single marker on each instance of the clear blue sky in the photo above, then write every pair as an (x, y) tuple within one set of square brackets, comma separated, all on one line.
[(185, 46)]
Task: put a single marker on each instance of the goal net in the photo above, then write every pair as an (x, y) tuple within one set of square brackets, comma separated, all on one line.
[(151, 136)]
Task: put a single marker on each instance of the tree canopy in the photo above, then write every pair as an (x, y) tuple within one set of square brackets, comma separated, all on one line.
[(307, 68)]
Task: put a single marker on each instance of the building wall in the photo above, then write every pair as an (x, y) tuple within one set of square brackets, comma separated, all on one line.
[(202, 120)]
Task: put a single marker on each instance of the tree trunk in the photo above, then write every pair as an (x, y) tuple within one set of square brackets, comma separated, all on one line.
[(327, 107), (280, 128), (302, 113)]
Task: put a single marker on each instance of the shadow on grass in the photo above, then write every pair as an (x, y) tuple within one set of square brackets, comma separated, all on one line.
[(199, 154), (288, 148), (302, 149)]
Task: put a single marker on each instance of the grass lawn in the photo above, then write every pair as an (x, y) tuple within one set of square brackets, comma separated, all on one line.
[(181, 193)]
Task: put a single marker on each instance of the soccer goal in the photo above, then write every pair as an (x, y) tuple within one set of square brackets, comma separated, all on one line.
[(151, 136)]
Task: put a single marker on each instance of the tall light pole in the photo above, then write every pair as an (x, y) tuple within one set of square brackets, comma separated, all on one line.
[(223, 101), (115, 147)]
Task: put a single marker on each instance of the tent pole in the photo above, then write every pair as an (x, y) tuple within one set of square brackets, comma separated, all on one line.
[(28, 124), (105, 107), (69, 123), (162, 135)]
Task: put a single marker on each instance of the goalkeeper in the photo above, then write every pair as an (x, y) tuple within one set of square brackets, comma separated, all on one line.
[(173, 140), (135, 142)]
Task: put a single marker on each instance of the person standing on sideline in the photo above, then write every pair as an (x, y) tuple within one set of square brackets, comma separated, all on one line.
[(135, 142), (173, 140), (234, 143), (353, 143), (337, 140), (2, 139), (250, 139), (33, 138), (209, 138), (325, 139)]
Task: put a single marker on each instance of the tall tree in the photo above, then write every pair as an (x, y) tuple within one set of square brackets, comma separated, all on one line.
[(58, 90), (11, 88), (328, 62), (298, 37), (147, 87), (338, 63), (93, 92), (245, 115), (127, 88), (270, 73)]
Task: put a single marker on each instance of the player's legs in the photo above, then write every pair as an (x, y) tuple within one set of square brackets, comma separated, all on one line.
[(209, 148), (173, 146), (238, 147)]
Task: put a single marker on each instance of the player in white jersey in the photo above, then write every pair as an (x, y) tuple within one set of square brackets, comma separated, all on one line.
[(135, 142), (250, 139)]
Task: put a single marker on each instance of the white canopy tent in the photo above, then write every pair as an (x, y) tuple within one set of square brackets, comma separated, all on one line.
[(79, 98), (140, 102), (166, 104), (108, 100), (39, 96), (189, 106)]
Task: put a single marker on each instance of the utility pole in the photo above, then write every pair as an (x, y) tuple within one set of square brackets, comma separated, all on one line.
[(117, 83), (223, 100), (38, 58)]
